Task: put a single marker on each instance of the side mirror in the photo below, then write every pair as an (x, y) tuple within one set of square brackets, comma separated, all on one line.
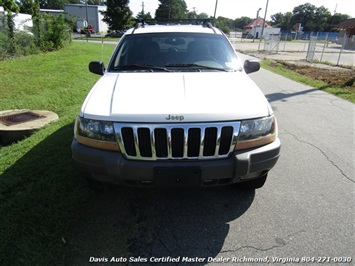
[(97, 67), (251, 66)]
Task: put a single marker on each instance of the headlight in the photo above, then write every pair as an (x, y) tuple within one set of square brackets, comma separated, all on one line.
[(96, 134), (258, 132)]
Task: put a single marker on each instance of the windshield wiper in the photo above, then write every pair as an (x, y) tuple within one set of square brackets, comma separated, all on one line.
[(196, 66), (136, 67)]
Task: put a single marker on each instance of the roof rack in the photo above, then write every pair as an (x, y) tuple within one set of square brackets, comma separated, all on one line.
[(139, 24), (204, 22)]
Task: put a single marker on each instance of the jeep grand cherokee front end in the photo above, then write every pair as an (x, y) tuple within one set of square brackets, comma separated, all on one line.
[(175, 107)]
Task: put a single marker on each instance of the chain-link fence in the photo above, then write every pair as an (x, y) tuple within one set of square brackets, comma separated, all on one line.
[(323, 50), (272, 44), (329, 48)]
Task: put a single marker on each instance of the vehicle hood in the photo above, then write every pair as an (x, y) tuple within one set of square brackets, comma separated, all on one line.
[(182, 97)]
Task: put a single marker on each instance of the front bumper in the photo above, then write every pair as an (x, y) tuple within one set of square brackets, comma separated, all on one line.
[(112, 167)]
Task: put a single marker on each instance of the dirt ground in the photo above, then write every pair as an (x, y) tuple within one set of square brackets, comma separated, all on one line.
[(339, 77)]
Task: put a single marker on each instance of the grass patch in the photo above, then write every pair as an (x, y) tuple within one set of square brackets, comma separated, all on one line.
[(338, 82), (40, 189)]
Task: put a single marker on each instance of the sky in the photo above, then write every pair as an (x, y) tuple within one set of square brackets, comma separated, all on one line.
[(238, 8)]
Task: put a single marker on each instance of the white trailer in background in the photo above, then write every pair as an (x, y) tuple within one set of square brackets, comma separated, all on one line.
[(22, 21)]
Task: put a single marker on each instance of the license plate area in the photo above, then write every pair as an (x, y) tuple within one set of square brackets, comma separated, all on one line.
[(177, 176)]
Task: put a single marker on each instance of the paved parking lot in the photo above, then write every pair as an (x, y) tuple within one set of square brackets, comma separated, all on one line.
[(297, 51)]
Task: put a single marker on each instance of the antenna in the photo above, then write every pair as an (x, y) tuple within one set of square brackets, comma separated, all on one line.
[(102, 48)]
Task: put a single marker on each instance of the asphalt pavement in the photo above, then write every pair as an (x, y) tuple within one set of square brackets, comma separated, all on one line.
[(304, 212)]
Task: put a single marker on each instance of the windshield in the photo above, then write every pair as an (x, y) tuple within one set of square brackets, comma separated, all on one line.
[(174, 52)]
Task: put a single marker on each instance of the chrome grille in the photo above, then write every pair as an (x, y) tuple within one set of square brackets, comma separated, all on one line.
[(177, 141)]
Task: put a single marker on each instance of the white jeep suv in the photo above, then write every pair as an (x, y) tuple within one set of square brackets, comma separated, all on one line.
[(175, 107)]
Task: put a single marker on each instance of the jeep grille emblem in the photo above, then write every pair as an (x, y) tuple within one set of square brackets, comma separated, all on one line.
[(175, 117)]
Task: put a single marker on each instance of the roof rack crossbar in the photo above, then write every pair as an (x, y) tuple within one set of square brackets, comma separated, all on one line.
[(208, 24), (139, 24), (168, 21)]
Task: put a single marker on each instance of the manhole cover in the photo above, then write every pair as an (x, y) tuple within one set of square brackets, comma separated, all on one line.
[(15, 119)]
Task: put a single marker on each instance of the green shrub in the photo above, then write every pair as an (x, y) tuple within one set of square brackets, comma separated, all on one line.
[(53, 32), (4, 41), (47, 34), (25, 43)]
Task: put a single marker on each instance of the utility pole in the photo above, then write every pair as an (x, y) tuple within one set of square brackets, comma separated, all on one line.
[(142, 8), (87, 23), (332, 22), (256, 24), (194, 11), (262, 30), (215, 10), (169, 9)]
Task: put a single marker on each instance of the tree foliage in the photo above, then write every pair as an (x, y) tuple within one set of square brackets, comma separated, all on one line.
[(94, 2), (144, 16), (225, 24), (117, 15), (240, 23), (202, 16), (173, 9), (10, 6), (312, 18), (25, 5), (51, 33), (53, 36), (282, 21), (336, 19)]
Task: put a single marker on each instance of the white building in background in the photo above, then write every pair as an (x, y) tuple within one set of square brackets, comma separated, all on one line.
[(257, 31), (89, 13), (52, 12), (22, 21), (258, 26)]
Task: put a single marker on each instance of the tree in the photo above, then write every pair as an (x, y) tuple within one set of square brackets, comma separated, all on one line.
[(174, 9), (10, 6), (311, 17), (225, 24), (282, 21), (322, 18), (336, 19), (34, 10), (192, 15), (94, 2), (240, 23), (25, 6), (53, 4), (305, 14), (202, 16), (117, 15), (144, 16)]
